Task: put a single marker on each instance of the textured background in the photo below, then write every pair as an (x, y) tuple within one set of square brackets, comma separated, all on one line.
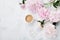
[(12, 23)]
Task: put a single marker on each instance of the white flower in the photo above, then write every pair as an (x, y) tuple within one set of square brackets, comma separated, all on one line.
[(54, 16), (47, 1), (49, 30)]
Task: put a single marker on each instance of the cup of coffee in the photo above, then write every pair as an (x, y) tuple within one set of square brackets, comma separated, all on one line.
[(29, 18)]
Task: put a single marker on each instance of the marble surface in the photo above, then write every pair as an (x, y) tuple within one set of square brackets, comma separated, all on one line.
[(13, 25)]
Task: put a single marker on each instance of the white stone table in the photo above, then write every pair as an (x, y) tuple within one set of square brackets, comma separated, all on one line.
[(12, 23)]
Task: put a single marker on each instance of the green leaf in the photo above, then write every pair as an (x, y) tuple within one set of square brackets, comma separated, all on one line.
[(42, 22), (57, 3), (23, 1)]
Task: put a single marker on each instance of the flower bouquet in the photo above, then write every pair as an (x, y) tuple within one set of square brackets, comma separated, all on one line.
[(48, 11)]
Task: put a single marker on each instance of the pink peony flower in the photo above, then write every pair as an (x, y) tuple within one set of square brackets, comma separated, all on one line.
[(49, 30), (43, 13), (22, 6), (34, 5)]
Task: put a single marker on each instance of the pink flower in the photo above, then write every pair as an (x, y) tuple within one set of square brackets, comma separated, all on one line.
[(43, 13), (22, 6), (49, 30), (34, 5)]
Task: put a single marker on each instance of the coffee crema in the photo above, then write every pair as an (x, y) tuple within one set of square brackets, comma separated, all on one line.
[(29, 18)]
